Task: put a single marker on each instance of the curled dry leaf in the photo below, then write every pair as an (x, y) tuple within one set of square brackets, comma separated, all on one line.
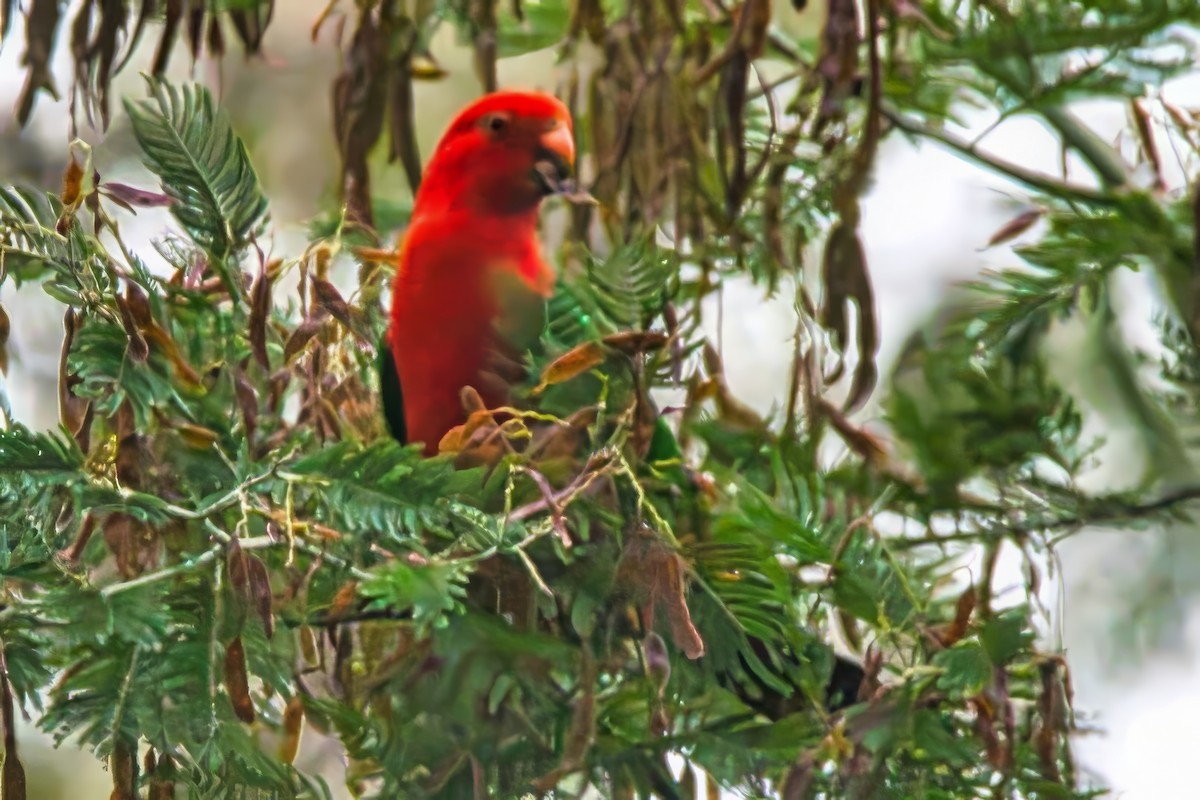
[(237, 682), (571, 364), (655, 574), (844, 270)]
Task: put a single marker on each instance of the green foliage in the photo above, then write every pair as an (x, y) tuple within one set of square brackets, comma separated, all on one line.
[(221, 534), (204, 167)]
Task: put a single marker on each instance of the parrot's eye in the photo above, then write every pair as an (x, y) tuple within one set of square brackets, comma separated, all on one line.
[(496, 123)]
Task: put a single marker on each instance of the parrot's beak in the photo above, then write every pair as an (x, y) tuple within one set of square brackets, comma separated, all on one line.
[(554, 165)]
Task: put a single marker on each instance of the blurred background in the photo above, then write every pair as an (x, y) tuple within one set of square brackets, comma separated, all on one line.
[(1122, 599)]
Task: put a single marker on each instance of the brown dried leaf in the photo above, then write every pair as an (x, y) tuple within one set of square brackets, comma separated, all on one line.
[(86, 528), (260, 312), (304, 332), (183, 370), (838, 64), (571, 364), (126, 539), (346, 596), (293, 728), (236, 569), (799, 779), (172, 17), (195, 27), (1050, 712), (252, 24), (1016, 226), (655, 575), (147, 9), (103, 51), (7, 7), (215, 37), (237, 682), (260, 593), (247, 397), (308, 646), (74, 412), (844, 270), (402, 116), (72, 186), (161, 785), (122, 763), (866, 445), (326, 295), (5, 327), (633, 343), (41, 27), (1144, 127), (359, 103), (137, 349), (139, 304)]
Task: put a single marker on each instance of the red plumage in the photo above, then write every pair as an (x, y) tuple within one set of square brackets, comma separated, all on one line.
[(471, 258)]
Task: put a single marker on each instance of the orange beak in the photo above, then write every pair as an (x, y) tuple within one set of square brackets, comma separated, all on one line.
[(561, 141), (555, 159)]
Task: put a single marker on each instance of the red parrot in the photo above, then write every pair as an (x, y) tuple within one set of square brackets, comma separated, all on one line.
[(471, 288), (472, 282)]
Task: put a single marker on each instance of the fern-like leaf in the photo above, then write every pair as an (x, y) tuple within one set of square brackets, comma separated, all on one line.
[(204, 167)]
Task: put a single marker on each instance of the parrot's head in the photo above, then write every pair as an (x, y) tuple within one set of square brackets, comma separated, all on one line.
[(502, 154)]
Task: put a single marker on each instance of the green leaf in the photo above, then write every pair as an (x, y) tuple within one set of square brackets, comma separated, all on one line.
[(967, 668), (204, 167), (1004, 636), (429, 590)]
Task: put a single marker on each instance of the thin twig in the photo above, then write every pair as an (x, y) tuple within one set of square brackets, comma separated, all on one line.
[(1030, 178)]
